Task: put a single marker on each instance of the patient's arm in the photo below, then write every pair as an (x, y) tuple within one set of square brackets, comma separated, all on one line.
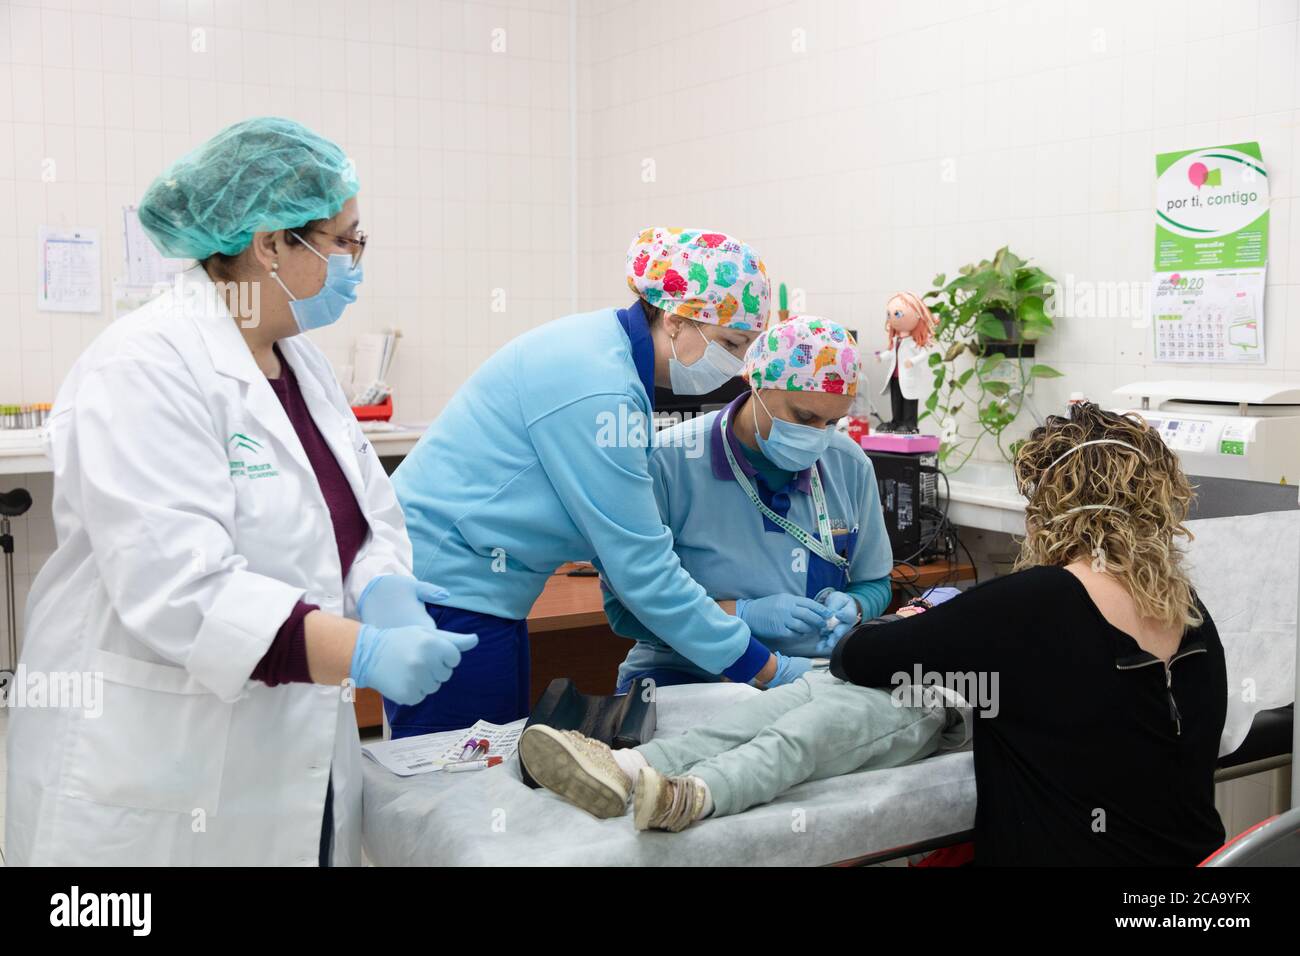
[(978, 631)]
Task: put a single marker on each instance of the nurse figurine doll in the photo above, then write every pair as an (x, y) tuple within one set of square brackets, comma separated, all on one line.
[(910, 326)]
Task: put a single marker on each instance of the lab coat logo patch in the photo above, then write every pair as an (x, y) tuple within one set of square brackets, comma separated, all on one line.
[(244, 454)]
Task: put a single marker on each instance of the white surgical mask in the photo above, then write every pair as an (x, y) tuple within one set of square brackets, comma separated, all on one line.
[(710, 371)]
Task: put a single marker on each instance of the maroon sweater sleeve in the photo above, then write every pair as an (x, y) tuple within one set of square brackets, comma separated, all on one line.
[(285, 661)]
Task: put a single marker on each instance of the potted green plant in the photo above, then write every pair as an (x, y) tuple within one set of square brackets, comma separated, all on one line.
[(988, 318)]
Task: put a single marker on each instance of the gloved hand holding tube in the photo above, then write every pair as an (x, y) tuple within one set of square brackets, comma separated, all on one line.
[(845, 614)]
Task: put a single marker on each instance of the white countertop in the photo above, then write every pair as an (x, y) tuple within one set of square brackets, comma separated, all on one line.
[(396, 443), (22, 452), (982, 494), (27, 456)]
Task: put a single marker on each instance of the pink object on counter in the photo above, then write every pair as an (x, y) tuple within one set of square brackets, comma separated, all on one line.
[(902, 443)]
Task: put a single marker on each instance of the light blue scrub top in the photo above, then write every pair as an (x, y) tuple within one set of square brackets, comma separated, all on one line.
[(726, 544), (540, 458)]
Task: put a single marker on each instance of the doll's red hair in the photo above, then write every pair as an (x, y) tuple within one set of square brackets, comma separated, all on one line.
[(924, 330)]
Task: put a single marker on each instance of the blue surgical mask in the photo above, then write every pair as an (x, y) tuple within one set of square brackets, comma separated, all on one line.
[(710, 371), (339, 291), (790, 446)]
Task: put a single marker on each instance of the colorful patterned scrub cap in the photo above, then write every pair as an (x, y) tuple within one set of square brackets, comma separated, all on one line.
[(804, 354), (696, 274)]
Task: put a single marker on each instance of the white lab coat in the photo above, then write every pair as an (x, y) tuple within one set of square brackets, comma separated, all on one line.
[(189, 522), (914, 381)]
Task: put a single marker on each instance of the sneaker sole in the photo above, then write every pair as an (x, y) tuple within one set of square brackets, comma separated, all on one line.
[(560, 768)]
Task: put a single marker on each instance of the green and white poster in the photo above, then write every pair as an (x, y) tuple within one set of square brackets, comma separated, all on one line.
[(1211, 254)]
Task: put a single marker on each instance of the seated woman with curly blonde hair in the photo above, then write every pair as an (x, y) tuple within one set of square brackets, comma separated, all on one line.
[(1111, 683)]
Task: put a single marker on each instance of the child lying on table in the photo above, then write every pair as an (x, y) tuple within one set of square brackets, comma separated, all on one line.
[(813, 728)]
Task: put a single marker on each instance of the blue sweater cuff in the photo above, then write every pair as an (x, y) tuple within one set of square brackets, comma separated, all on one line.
[(746, 668), (872, 596)]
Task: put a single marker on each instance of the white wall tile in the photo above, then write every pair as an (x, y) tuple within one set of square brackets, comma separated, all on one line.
[(1037, 125), (906, 139)]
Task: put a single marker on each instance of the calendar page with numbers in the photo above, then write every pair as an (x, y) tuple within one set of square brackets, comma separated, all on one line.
[(1209, 317)]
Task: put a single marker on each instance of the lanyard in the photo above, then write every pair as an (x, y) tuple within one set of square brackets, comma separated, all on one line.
[(823, 545)]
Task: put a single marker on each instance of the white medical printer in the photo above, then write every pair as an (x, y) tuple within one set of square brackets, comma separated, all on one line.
[(1248, 430)]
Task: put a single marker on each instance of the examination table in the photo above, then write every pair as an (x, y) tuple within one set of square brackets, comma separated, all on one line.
[(1245, 570), (490, 817)]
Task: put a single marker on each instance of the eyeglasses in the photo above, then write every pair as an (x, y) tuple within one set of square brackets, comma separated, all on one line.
[(358, 245)]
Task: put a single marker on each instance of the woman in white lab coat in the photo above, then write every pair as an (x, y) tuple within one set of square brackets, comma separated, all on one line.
[(221, 520)]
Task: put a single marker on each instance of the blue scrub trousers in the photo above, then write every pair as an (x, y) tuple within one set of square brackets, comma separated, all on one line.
[(491, 682)]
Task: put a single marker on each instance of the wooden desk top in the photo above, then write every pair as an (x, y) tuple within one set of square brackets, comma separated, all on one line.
[(569, 602)]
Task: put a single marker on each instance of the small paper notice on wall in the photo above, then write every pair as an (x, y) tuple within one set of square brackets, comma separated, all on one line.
[(148, 272), (68, 260), (146, 267)]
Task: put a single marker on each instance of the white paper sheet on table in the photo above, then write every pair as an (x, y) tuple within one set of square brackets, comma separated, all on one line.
[(1246, 570), (431, 752)]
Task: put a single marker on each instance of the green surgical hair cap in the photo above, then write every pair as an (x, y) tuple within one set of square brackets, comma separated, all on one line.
[(258, 175)]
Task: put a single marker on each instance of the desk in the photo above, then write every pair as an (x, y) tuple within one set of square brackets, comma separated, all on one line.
[(570, 637)]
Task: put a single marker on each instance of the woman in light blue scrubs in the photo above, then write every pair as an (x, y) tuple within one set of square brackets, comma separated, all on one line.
[(742, 490), (541, 458)]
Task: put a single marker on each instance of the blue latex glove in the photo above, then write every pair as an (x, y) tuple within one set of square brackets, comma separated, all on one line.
[(844, 609), (393, 600), (407, 664), (782, 615), (789, 669)]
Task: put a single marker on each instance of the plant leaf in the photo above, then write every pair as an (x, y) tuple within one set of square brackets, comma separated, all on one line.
[(1027, 280), (1031, 310), (989, 326)]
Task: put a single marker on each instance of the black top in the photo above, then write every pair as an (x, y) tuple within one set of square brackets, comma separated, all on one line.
[(1088, 750)]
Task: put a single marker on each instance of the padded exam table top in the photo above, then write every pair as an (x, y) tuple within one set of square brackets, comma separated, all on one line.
[(490, 818)]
